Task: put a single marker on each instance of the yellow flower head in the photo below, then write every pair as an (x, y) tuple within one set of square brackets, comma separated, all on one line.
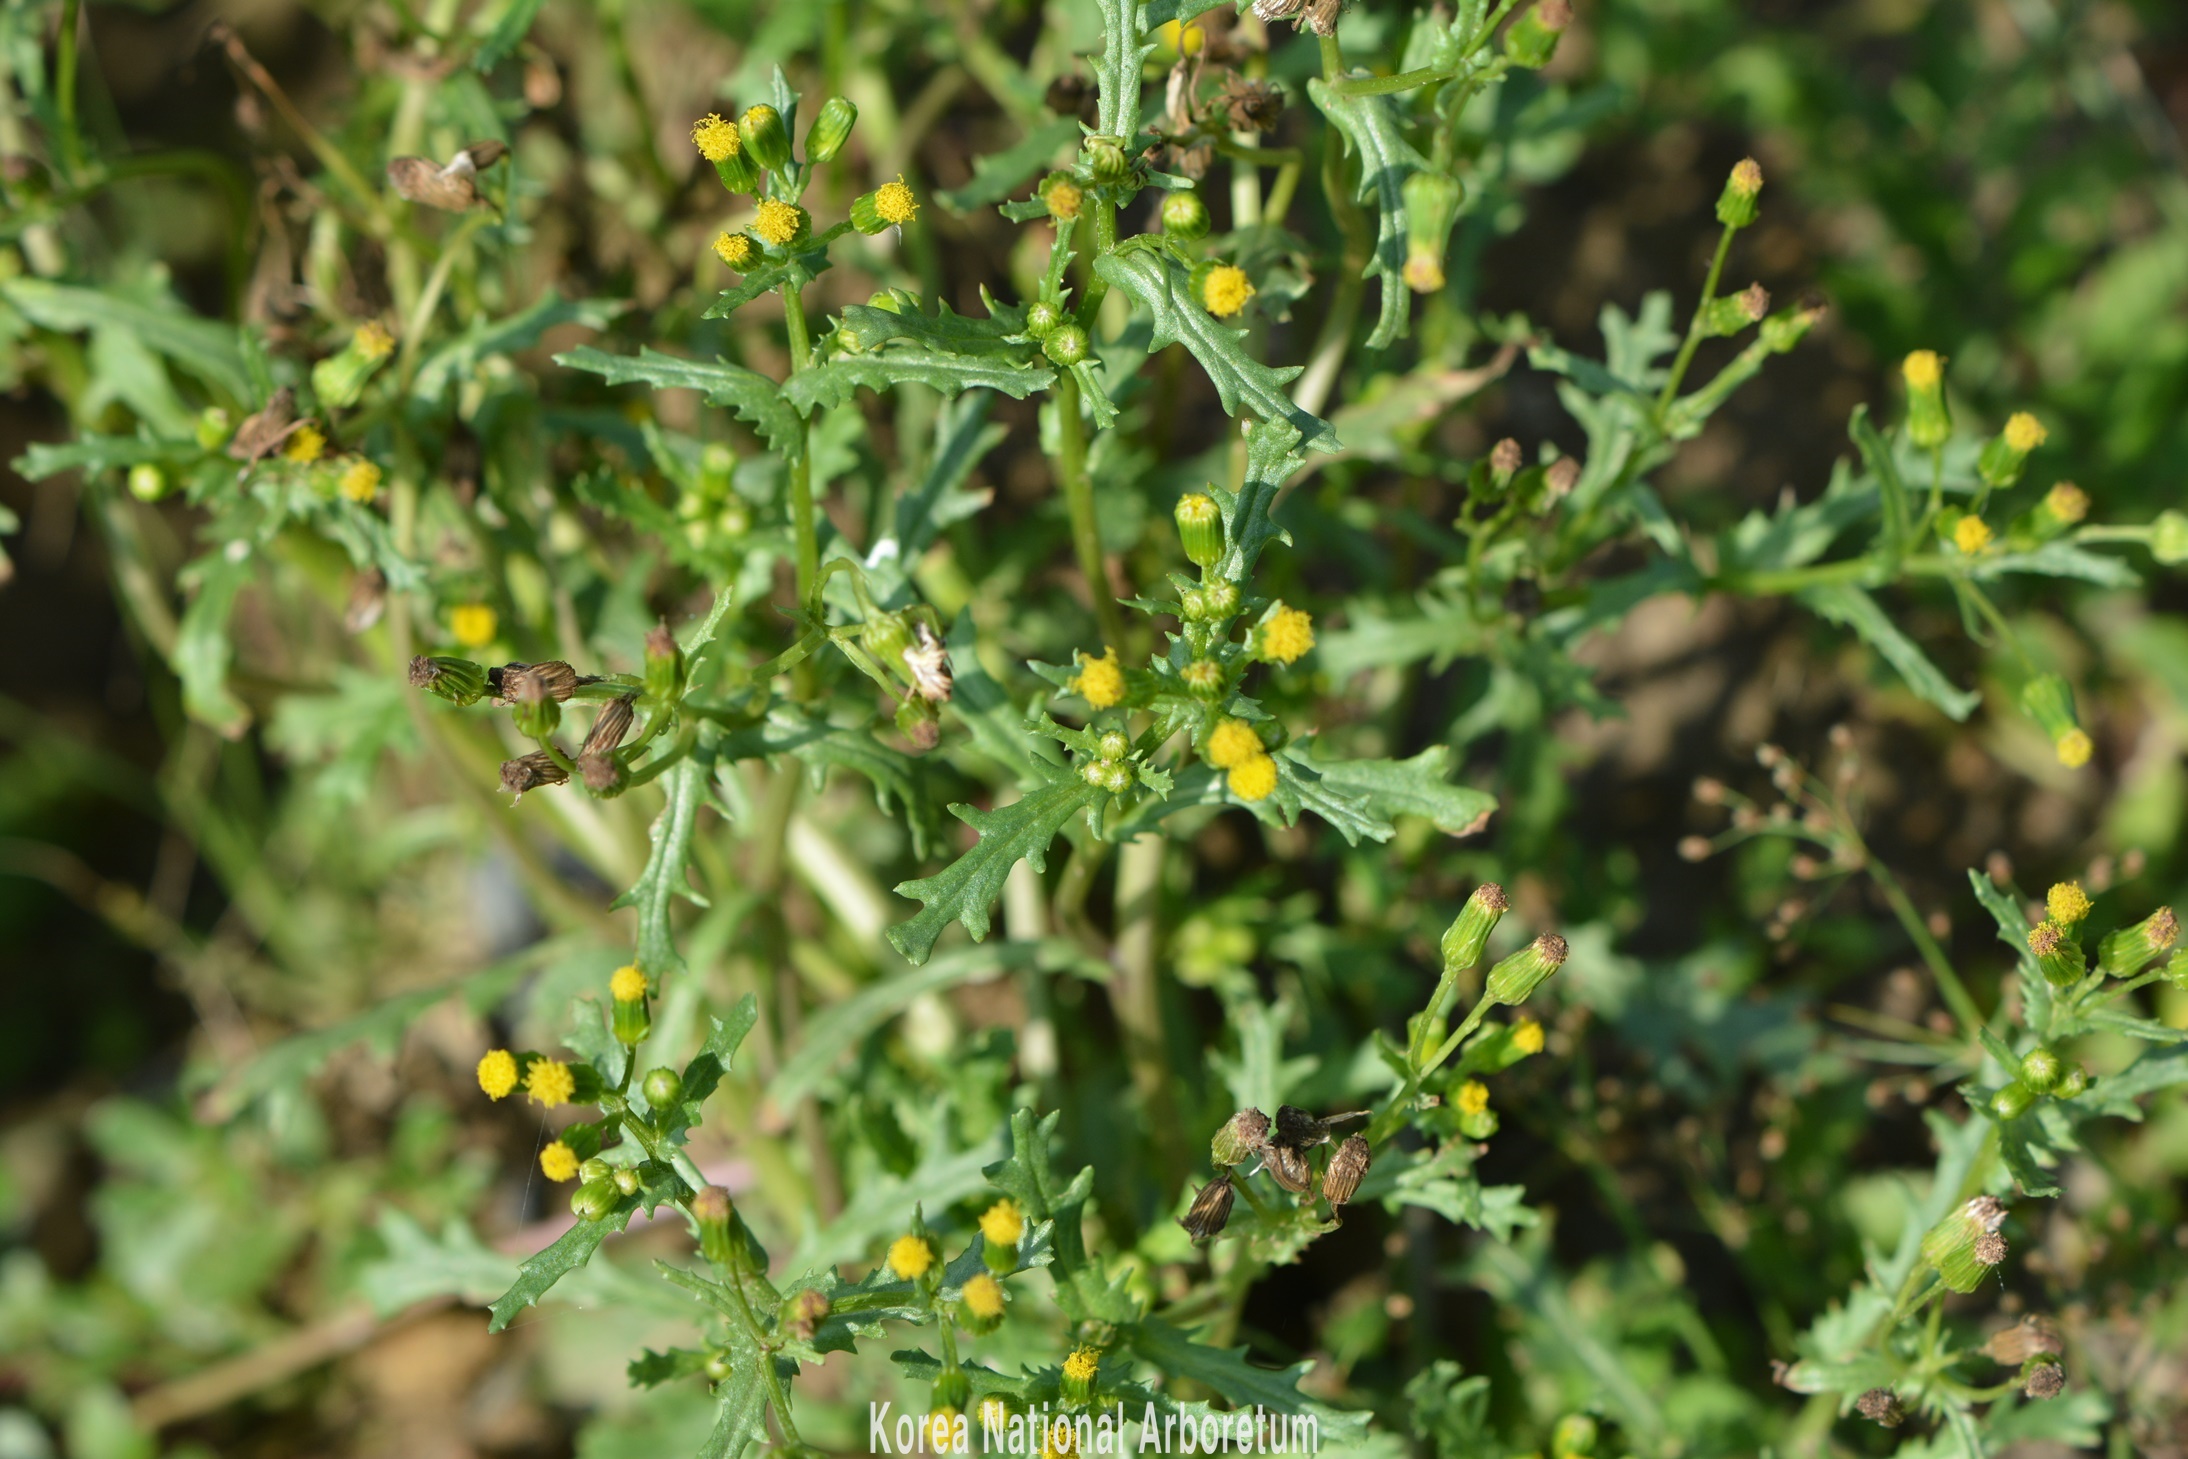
[(993, 1412), (549, 1082), (372, 340), (360, 480), (983, 1297), (2074, 748), (473, 625), (1971, 535), (895, 203), (1747, 177), (1064, 199), (1082, 1365), (1473, 1097), (627, 984), (1286, 636), (2066, 902), (558, 1162), (498, 1073), (1527, 1036), (1252, 778), (779, 222), (1003, 1224), (1225, 290), (910, 1256), (1922, 370), (716, 137), (1062, 1440), (1100, 682), (2024, 432), (306, 446), (1232, 742), (2067, 502), (736, 250)]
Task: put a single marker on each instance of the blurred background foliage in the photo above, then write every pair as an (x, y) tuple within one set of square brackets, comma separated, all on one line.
[(206, 1251)]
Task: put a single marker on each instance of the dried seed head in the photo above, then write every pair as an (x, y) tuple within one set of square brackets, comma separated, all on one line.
[(927, 662), (1990, 1248), (1346, 1168), (610, 728), (1243, 1137), (2033, 1336), (1290, 1168), (1562, 477), (1881, 1406), (602, 774), (1694, 848), (536, 683), (1210, 1211), (530, 772), (1250, 105), (805, 1311), (266, 431), (1298, 1130), (2045, 1380), (1505, 457)]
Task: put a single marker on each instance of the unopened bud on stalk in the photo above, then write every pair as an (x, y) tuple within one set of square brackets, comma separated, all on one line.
[(2131, 949), (1068, 345), (1185, 216), (1966, 1245), (662, 1087), (664, 673), (830, 129), (1346, 1168), (459, 681), (1200, 528), (1532, 39), (213, 428), (1574, 1437), (147, 483), (2040, 1069), (1729, 315), (2073, 1083), (340, 378), (2050, 702), (952, 1390), (1929, 419), (712, 1212), (1043, 319), (761, 130), (1512, 980), (1881, 1406), (1002, 1227), (593, 1200), (1468, 933), (1210, 1212), (2007, 452), (1105, 158), (1243, 1138), (2169, 538), (2013, 1101), (1736, 205)]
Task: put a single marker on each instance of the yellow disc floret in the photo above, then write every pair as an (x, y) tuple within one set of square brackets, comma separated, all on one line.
[(716, 137), (2066, 902), (983, 1297), (2068, 502), (1252, 778), (895, 203), (1922, 370), (1286, 635), (1971, 535), (993, 1413), (1473, 1097), (359, 481), (1082, 1365), (473, 625), (1064, 199), (2074, 749), (1527, 1036), (558, 1162), (306, 446), (736, 250), (372, 340), (779, 222), (1100, 682), (498, 1073), (910, 1256), (1232, 742), (1225, 290), (627, 984), (2024, 432), (1003, 1223), (549, 1082)]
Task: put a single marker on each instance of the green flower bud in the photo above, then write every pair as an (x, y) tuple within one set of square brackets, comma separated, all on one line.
[(2169, 538), (1929, 419), (536, 718), (1105, 159), (459, 681), (1242, 1139), (626, 1180), (2058, 954), (2013, 1101), (2176, 968), (1043, 319), (664, 668), (1222, 600), (662, 1088), (1736, 205), (1726, 317), (719, 1366), (1573, 1438), (595, 1199), (213, 428), (1067, 346), (147, 483), (340, 378), (1185, 216), (2040, 1069), (631, 1022), (830, 129), (1203, 678), (2131, 949), (1788, 327), (2073, 1082), (1431, 206), (1966, 1245), (765, 140), (1469, 932), (1512, 980), (1532, 39), (886, 636), (595, 1168), (952, 1389), (1200, 528), (712, 1212)]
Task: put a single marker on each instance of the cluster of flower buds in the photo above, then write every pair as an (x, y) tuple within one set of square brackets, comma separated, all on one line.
[(2124, 953), (1249, 1142), (753, 155)]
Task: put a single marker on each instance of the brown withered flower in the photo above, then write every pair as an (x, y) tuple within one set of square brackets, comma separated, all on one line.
[(1290, 1168), (1210, 1211), (1881, 1406), (1298, 1130), (804, 1313), (1251, 105), (1346, 1168), (453, 188), (2033, 1336), (1244, 1137), (927, 660), (265, 431), (533, 683), (610, 728), (530, 772), (2045, 1380)]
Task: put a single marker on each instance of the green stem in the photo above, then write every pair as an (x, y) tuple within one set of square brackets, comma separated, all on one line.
[(1078, 487), (1694, 328), (64, 87), (1948, 981), (802, 527)]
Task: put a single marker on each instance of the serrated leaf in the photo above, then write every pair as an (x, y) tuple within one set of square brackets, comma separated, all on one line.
[(1272, 455), (651, 1369), (1117, 72), (42, 459), (200, 346), (893, 774), (1845, 604), (203, 649), (703, 1074), (1225, 1370), (1417, 787), (1083, 1288), (965, 889), (750, 395), (543, 1269), (510, 29), (997, 175), (740, 1408), (1161, 285), (1372, 127), (834, 382), (794, 272), (664, 878), (519, 331), (945, 331)]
